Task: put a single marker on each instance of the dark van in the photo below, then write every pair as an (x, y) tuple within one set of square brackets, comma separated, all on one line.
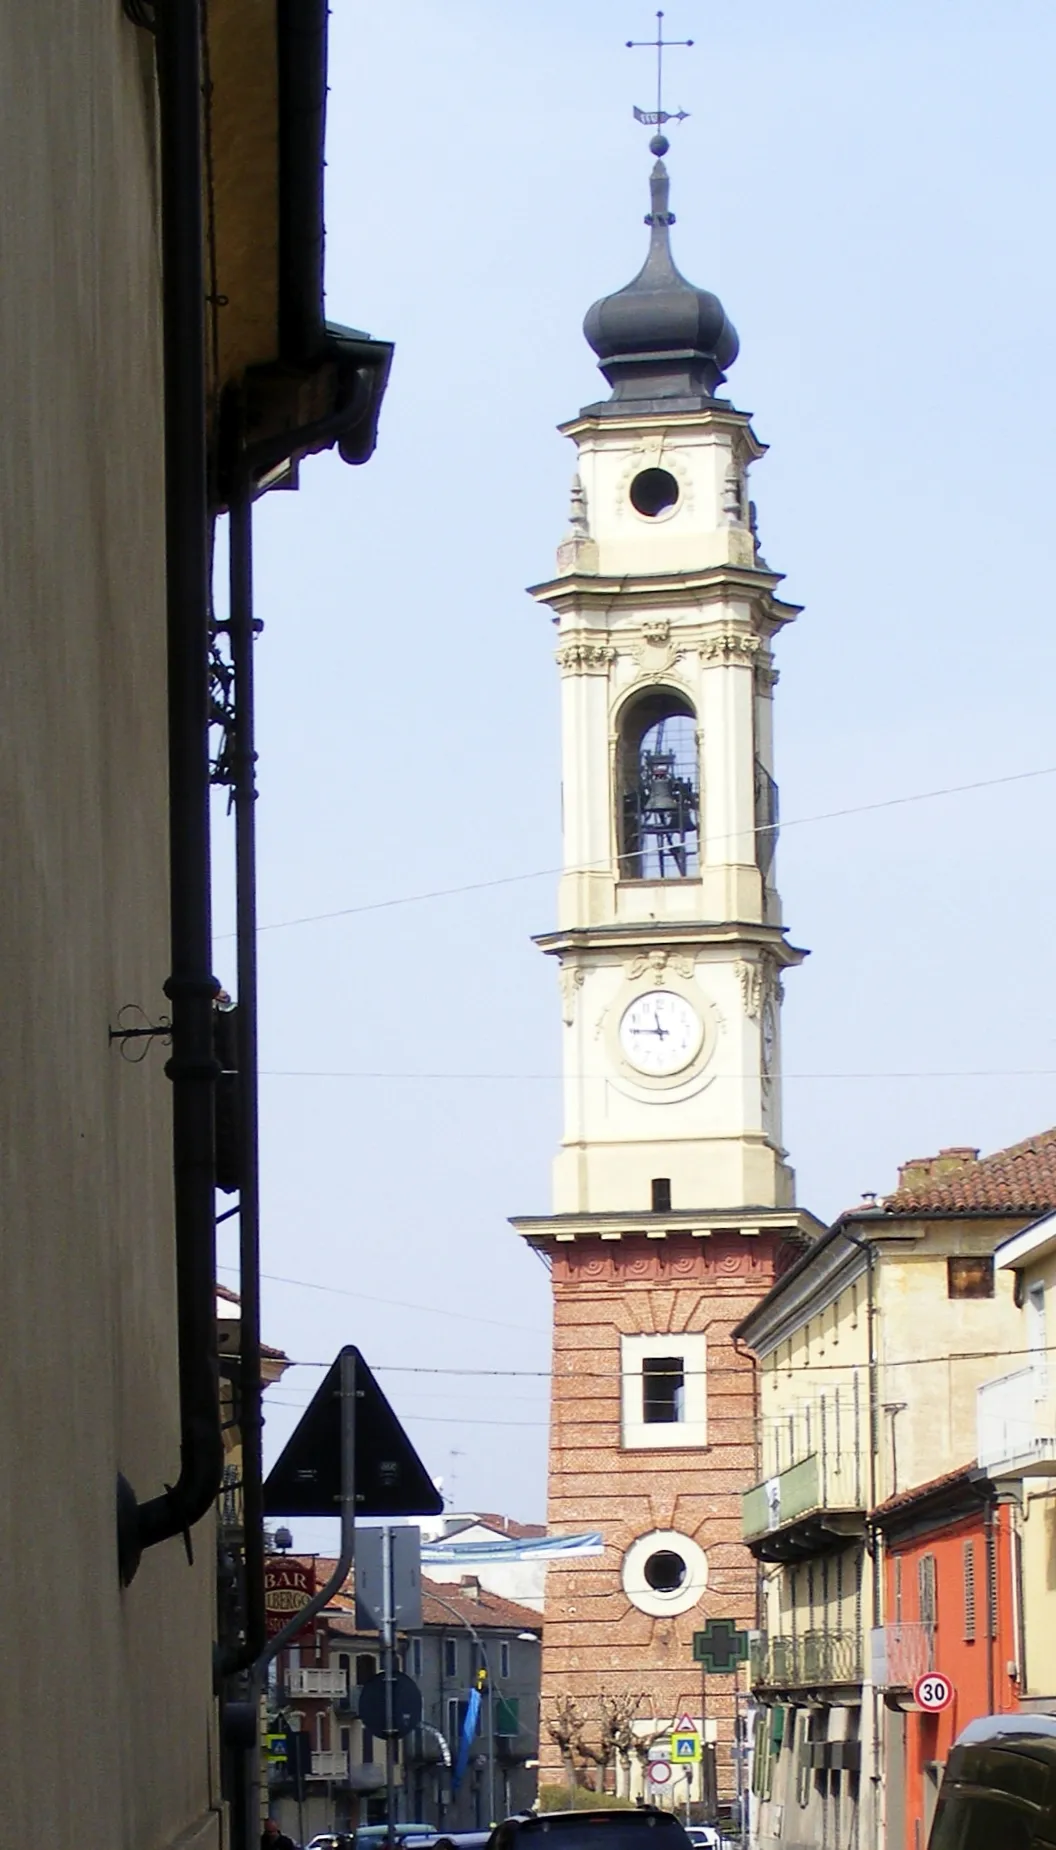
[(999, 1788), (639, 1827)]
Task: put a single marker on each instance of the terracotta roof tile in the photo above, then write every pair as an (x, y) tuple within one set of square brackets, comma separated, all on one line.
[(484, 1610), (1019, 1180)]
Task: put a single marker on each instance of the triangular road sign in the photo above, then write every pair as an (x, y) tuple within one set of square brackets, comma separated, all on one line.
[(685, 1725), (390, 1479)]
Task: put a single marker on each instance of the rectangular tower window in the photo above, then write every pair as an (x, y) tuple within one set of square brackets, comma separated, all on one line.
[(663, 1389), (661, 1194)]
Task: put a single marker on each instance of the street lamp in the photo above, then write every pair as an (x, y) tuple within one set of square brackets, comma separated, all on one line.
[(479, 1642)]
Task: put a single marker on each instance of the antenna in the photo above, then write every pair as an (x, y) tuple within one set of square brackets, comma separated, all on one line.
[(655, 118)]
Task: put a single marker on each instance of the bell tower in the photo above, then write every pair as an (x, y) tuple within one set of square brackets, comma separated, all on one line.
[(673, 1201)]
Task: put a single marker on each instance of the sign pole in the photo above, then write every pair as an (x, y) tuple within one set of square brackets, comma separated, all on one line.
[(705, 1782), (387, 1648)]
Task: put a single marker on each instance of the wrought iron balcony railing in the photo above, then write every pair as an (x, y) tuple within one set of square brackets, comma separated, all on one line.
[(811, 1658)]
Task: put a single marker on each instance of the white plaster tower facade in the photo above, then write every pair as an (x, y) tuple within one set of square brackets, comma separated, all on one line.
[(673, 1201)]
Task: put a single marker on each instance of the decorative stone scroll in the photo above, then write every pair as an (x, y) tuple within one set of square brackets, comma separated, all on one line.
[(585, 657), (571, 978), (730, 648)]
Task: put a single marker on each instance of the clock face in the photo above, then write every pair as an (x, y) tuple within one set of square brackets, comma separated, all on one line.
[(660, 1033)]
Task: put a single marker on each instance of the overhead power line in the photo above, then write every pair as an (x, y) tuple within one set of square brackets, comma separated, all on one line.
[(341, 1291), (1008, 1072), (543, 873)]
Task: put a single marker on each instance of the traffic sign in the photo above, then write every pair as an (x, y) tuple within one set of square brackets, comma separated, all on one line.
[(685, 1724), (685, 1747), (933, 1692), (659, 1772), (406, 1705)]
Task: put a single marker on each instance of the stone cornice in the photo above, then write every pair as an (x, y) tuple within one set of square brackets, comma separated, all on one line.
[(597, 594), (566, 1229), (718, 416), (646, 935)]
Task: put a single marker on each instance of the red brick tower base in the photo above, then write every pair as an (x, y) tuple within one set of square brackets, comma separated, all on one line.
[(599, 1647)]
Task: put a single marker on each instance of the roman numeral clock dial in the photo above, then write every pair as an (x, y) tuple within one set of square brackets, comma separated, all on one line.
[(660, 1033)]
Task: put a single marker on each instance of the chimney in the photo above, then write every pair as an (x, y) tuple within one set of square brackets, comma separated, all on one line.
[(470, 1586), (922, 1169)]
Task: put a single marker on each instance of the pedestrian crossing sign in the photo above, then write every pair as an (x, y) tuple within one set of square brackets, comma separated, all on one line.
[(685, 1748)]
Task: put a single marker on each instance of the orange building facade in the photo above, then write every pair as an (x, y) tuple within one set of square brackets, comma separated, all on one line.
[(950, 1579)]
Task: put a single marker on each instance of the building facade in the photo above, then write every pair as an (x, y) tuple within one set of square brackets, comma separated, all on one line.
[(872, 1349), (465, 1629), (949, 1583), (137, 300), (673, 1202), (1017, 1450)]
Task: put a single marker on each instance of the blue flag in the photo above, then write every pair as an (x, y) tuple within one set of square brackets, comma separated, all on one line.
[(466, 1739)]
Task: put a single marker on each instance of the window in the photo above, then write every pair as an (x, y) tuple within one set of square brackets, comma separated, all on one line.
[(450, 1657), (926, 1590), (898, 1589), (659, 789), (507, 1716), (968, 1569), (664, 1391), (368, 1748), (346, 1742), (766, 818), (457, 1707), (504, 1658), (416, 1657), (661, 1187), (970, 1277)]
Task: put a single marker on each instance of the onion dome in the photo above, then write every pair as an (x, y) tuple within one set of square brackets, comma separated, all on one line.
[(660, 337)]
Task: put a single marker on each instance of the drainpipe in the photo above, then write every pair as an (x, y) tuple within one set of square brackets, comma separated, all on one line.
[(191, 987), (990, 1530), (872, 1541)]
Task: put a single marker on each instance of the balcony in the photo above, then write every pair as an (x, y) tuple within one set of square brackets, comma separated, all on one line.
[(815, 1505), (331, 1765), (901, 1653), (325, 1684), (812, 1659), (1015, 1434)]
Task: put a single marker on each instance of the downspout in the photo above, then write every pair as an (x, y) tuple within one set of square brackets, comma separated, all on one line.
[(873, 1542), (191, 987), (991, 1600)]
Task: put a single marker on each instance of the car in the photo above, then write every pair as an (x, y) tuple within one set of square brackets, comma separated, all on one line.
[(635, 1827), (704, 1837), (998, 1791)]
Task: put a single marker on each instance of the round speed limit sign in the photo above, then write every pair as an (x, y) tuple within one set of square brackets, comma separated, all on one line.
[(933, 1692)]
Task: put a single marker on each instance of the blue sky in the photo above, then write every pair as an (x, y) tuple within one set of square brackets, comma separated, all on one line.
[(869, 190)]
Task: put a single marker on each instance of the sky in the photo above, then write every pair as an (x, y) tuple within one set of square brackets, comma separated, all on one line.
[(869, 190)]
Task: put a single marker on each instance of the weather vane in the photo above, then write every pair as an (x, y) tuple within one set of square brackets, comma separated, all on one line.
[(658, 116)]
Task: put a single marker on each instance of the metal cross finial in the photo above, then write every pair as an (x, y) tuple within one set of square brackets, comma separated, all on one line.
[(656, 118)]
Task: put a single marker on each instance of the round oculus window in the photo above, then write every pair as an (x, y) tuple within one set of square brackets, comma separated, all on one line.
[(664, 1573), (653, 492)]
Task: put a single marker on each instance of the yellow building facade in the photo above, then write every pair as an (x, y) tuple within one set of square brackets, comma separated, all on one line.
[(872, 1350)]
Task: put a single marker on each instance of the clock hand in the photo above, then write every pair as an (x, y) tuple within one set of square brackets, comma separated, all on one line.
[(662, 1032)]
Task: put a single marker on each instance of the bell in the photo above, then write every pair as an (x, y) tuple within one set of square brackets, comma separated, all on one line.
[(660, 795)]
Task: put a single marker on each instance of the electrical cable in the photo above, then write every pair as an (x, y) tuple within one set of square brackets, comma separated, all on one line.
[(543, 873)]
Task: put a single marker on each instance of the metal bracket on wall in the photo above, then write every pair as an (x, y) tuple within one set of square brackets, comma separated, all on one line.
[(140, 12), (127, 1032)]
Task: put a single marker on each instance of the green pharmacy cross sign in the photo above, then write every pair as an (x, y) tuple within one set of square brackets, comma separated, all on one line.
[(720, 1647)]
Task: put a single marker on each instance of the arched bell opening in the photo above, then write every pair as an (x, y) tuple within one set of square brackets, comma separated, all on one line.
[(658, 800)]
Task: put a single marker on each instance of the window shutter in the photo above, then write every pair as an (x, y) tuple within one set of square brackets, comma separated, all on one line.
[(926, 1589), (969, 1592), (991, 1564), (898, 1589)]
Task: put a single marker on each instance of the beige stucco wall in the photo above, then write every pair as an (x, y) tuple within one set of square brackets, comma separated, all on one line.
[(936, 1350), (106, 1708)]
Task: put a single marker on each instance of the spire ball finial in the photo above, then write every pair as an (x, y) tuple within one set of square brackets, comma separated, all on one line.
[(659, 146)]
